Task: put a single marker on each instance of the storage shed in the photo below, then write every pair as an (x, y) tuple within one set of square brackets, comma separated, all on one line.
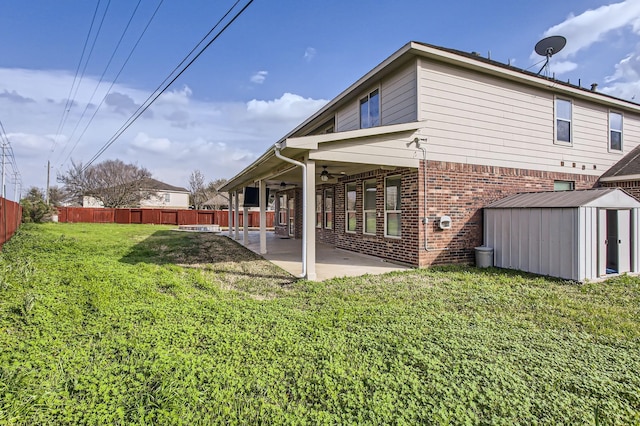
[(577, 235)]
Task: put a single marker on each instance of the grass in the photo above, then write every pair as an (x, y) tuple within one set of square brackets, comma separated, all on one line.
[(135, 324)]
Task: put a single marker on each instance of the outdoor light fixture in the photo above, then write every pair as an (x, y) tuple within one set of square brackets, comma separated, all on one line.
[(283, 185), (324, 176)]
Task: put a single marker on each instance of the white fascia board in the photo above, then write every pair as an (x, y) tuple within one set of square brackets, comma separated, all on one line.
[(312, 142), (620, 178)]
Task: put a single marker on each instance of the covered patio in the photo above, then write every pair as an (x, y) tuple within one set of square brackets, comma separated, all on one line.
[(330, 261)]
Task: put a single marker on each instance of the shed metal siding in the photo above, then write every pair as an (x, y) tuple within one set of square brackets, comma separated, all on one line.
[(542, 241)]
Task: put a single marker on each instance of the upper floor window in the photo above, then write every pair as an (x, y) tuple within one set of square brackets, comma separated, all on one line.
[(370, 110), (615, 131), (167, 197), (563, 120), (350, 207), (392, 206)]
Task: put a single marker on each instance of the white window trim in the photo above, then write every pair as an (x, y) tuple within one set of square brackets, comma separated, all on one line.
[(368, 97), (364, 212), (325, 211), (397, 237), (615, 130), (283, 208), (555, 122), (346, 206), (319, 209)]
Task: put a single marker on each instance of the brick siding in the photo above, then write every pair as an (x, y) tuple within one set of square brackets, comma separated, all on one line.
[(459, 191), (631, 187)]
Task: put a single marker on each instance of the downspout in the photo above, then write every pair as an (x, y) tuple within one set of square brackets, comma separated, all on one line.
[(425, 218), (304, 205)]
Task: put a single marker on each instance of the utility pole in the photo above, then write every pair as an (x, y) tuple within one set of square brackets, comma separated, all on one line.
[(46, 194), (3, 169), (15, 188)]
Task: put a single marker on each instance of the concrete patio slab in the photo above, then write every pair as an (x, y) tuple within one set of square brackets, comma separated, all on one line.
[(330, 261)]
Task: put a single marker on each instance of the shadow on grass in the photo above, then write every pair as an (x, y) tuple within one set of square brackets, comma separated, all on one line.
[(207, 252), (188, 248)]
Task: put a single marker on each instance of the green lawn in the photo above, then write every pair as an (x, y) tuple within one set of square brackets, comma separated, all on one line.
[(120, 324)]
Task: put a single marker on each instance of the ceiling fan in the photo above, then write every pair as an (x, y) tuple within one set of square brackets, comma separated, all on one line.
[(325, 175)]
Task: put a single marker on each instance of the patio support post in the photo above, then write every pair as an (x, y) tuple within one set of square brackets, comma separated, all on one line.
[(230, 219), (309, 200), (263, 217), (245, 226), (237, 215)]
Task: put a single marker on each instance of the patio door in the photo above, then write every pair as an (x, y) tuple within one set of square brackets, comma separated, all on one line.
[(292, 217)]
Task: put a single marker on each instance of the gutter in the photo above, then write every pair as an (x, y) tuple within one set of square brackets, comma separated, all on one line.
[(304, 204)]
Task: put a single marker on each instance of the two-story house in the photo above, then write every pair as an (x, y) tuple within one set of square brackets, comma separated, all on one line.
[(401, 163)]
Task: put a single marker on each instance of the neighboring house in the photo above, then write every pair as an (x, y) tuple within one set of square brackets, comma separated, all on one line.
[(217, 202), (625, 174), (163, 196), (401, 164)]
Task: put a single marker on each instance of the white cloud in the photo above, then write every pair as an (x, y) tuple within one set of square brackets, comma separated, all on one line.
[(562, 67), (178, 97), (144, 142), (288, 107), (183, 134), (259, 77), (309, 54), (592, 26)]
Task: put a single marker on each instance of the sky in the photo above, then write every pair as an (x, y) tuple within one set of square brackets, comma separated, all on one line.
[(274, 66)]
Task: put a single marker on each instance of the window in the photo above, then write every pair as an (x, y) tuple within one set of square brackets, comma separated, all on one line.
[(167, 198), (318, 209), (328, 208), (564, 185), (615, 131), (282, 210), (563, 120), (350, 207), (370, 110), (392, 206), (369, 206)]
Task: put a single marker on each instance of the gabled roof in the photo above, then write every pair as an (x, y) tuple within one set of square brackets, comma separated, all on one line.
[(628, 166), (153, 184), (599, 197)]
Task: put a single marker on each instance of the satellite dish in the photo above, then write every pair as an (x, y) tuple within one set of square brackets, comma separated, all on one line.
[(548, 47)]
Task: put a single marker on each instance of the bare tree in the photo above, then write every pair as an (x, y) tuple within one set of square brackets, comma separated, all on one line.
[(217, 199), (197, 190), (112, 182), (58, 196)]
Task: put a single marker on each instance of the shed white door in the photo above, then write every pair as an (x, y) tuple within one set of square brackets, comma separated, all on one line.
[(614, 241)]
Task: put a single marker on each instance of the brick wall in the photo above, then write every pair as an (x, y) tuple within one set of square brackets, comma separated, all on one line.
[(404, 249), (631, 187), (461, 190), (282, 230)]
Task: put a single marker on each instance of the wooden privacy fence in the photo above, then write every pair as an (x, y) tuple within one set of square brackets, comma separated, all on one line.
[(10, 219), (157, 216)]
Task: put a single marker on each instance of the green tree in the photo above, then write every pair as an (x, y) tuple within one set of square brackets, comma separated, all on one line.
[(34, 208)]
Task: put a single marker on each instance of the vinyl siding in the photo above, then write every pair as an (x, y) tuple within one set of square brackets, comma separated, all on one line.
[(478, 119), (398, 101)]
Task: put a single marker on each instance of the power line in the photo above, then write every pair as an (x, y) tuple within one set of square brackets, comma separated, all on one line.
[(159, 91), (70, 102), (112, 83)]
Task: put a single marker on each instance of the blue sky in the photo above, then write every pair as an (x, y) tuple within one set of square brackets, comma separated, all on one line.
[(276, 65)]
